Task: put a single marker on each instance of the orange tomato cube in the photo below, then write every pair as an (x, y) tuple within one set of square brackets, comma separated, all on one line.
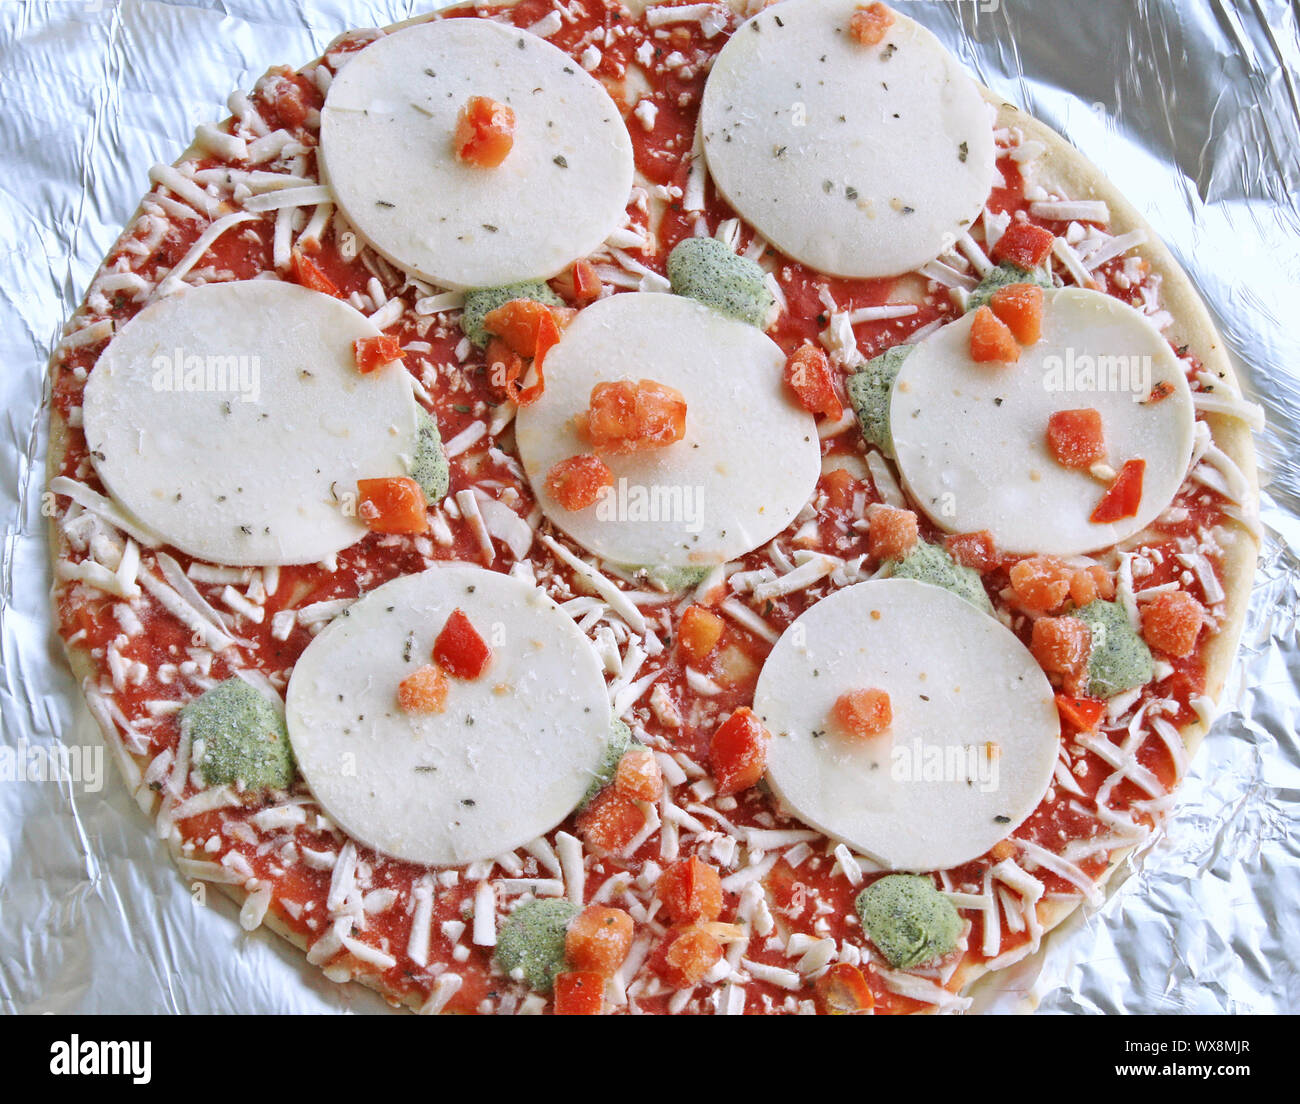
[(1082, 714), (974, 550), (1020, 306), (1040, 583), (460, 650), (688, 955), (424, 690), (841, 488), (577, 482), (579, 993), (690, 891), (738, 752), (504, 367), (586, 282), (372, 353), (1124, 496), (628, 416), (991, 339), (808, 372), (485, 132), (698, 635), (892, 533), (638, 776), (394, 504), (1061, 645), (309, 274), (1172, 622), (862, 714), (520, 324), (1075, 438), (1024, 245), (598, 940), (843, 991), (610, 821), (870, 23)]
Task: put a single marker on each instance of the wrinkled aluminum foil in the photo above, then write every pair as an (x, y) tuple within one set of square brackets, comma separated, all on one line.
[(1192, 107)]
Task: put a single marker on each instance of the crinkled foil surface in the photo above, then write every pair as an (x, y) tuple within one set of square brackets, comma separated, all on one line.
[(1192, 107)]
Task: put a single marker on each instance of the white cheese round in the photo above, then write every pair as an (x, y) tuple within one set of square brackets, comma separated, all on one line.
[(387, 152), (231, 420), (747, 464), (974, 737), (860, 161), (971, 439), (510, 756)]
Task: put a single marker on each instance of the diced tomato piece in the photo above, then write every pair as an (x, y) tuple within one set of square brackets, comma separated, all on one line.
[(579, 993), (1003, 849), (505, 367), (892, 532), (485, 132), (285, 96), (1020, 306), (688, 954), (610, 821), (628, 416), (843, 991), (698, 635), (1075, 438), (1040, 583), (638, 775), (808, 372), (841, 488), (738, 752), (372, 353), (1061, 645), (975, 550), (1124, 496), (690, 890), (991, 339), (529, 329), (586, 282), (862, 714), (309, 274), (1084, 714), (1024, 245), (460, 650), (424, 690), (598, 940), (577, 482), (870, 23), (1083, 588), (394, 504), (1172, 622)]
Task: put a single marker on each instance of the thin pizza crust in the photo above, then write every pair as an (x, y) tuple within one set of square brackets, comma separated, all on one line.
[(1062, 166)]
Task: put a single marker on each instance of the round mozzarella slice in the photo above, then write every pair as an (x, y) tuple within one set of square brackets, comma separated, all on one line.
[(747, 464), (232, 421), (387, 152), (974, 737), (858, 160), (508, 758), (971, 439)]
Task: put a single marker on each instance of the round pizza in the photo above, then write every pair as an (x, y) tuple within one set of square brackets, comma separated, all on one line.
[(677, 508)]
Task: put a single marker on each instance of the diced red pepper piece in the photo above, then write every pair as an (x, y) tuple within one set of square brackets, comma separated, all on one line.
[(1124, 496), (579, 993), (1075, 438), (1040, 583), (862, 714), (892, 533), (698, 635), (459, 649), (688, 954), (808, 372), (577, 482), (372, 353), (638, 776), (394, 504), (309, 274), (975, 550), (1061, 645), (627, 416), (1020, 306), (610, 821), (1172, 622), (738, 752), (843, 991), (1024, 245), (991, 339), (586, 282), (598, 940), (424, 690), (690, 891), (870, 23), (485, 132), (1084, 714)]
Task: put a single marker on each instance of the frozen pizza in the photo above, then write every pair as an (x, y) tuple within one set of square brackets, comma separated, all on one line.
[(677, 508)]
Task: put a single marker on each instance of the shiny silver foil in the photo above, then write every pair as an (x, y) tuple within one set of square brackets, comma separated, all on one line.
[(1192, 107)]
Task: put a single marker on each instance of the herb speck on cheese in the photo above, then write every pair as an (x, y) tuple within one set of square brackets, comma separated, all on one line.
[(561, 160)]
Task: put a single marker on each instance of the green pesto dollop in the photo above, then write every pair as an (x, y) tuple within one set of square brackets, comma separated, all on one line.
[(618, 742), (242, 736), (908, 920), (870, 389), (481, 302), (1002, 276), (676, 578), (705, 269), (1120, 659), (532, 940), (429, 468), (928, 563)]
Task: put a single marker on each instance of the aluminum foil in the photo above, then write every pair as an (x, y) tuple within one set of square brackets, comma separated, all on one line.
[(1192, 107)]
